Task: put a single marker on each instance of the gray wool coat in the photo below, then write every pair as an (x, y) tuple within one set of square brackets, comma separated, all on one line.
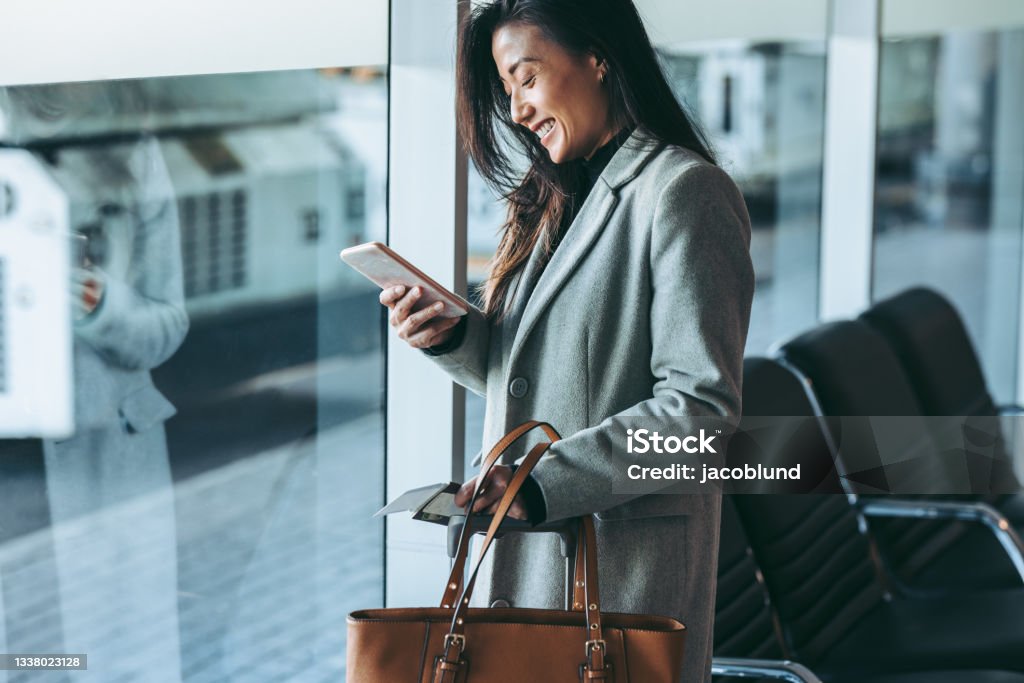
[(642, 311)]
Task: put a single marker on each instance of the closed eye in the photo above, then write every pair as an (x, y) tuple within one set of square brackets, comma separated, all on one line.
[(526, 84)]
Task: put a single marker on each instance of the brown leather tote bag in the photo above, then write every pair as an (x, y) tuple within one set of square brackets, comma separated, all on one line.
[(455, 643)]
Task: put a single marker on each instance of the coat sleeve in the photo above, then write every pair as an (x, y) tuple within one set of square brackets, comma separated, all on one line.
[(702, 284), (466, 364), (140, 320)]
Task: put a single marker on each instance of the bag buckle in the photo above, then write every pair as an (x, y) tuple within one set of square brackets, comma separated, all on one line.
[(588, 672), (449, 669), (456, 638), (597, 644)]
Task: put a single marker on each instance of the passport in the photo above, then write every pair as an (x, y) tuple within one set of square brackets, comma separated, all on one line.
[(434, 503)]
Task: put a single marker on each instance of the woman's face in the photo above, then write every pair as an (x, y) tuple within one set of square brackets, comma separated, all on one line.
[(557, 95)]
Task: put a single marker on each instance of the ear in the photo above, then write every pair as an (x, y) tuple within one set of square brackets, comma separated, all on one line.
[(599, 64)]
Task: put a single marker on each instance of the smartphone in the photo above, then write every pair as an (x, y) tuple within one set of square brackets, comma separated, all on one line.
[(385, 268)]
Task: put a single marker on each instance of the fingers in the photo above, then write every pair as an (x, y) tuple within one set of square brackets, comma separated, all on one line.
[(421, 329), (390, 295), (403, 306), (86, 291), (433, 334), (494, 488), (465, 492), (490, 492), (417, 319), (516, 511), (91, 296), (490, 496)]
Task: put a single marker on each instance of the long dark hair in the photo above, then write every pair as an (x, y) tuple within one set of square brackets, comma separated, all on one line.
[(540, 201)]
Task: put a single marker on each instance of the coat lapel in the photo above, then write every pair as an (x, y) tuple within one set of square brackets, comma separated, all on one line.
[(536, 289)]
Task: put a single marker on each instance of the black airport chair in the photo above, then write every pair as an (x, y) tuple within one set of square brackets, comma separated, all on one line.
[(836, 614), (748, 643), (933, 346), (852, 371)]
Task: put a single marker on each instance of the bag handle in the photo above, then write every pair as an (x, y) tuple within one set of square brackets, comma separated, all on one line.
[(454, 585), (446, 666)]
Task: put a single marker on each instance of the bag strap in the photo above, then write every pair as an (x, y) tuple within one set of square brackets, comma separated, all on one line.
[(447, 666), (454, 585)]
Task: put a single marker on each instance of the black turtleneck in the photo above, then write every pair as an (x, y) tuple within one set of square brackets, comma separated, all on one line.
[(599, 159), (595, 165)]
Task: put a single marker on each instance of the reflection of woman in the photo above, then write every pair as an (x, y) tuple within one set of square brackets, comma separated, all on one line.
[(621, 286), (109, 484)]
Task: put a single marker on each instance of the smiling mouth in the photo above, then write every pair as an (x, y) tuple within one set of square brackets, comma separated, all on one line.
[(544, 129)]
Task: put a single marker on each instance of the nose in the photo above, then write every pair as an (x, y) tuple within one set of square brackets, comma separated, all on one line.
[(521, 110)]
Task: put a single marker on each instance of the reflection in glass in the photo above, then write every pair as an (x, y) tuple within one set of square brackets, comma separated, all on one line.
[(230, 541), (949, 182)]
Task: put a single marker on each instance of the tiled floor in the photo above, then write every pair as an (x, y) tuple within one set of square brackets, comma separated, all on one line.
[(273, 551)]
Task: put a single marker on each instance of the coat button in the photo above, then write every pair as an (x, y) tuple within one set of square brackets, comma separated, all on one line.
[(518, 387), (501, 602)]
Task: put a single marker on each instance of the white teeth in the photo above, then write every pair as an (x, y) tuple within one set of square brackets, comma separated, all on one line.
[(545, 129)]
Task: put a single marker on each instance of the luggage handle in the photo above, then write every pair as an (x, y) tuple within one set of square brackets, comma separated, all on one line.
[(565, 529)]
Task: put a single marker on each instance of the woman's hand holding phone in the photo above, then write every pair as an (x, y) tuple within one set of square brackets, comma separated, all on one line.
[(421, 329)]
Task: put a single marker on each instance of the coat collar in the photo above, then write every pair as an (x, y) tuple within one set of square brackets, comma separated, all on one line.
[(534, 291), (630, 159)]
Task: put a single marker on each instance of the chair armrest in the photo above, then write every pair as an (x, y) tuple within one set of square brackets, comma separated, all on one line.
[(778, 669), (979, 513)]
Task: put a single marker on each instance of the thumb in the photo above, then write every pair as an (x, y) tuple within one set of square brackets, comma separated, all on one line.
[(465, 492)]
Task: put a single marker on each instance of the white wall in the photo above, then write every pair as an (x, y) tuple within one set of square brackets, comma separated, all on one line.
[(673, 21), (67, 40)]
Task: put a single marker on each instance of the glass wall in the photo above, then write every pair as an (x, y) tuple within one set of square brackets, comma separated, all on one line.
[(762, 104), (949, 183), (205, 518)]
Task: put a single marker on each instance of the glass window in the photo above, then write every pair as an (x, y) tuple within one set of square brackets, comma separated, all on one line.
[(762, 105), (484, 218), (949, 178), (206, 519)]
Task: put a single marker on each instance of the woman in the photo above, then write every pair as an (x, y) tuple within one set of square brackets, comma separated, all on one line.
[(621, 286)]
